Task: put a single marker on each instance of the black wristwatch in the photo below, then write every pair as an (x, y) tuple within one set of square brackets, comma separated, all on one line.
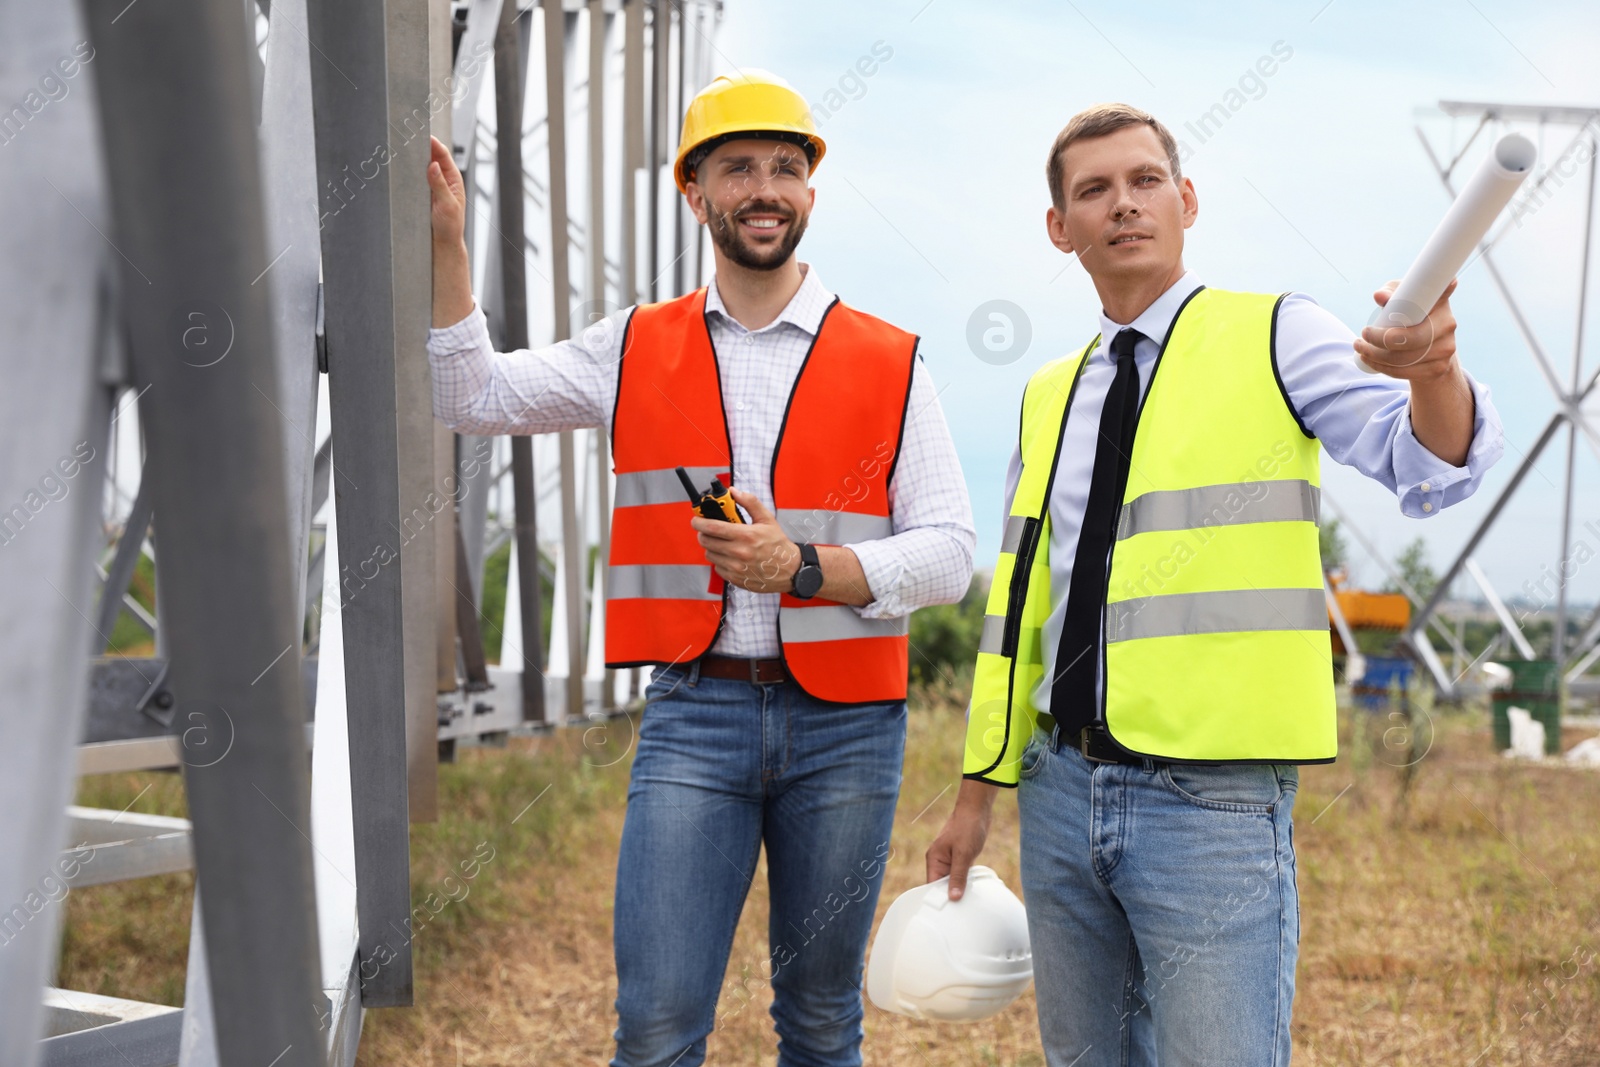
[(808, 579)]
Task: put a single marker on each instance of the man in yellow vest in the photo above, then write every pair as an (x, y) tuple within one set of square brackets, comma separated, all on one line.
[(776, 712), (1155, 661)]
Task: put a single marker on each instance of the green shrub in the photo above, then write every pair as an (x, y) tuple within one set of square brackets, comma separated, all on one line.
[(944, 638)]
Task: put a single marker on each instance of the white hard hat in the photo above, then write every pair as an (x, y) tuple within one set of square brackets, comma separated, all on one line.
[(955, 960)]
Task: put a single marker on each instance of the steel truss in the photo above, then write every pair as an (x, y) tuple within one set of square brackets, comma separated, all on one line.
[(1569, 395), (219, 274)]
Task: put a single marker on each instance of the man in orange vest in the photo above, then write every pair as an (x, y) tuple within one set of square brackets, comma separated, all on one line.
[(776, 712)]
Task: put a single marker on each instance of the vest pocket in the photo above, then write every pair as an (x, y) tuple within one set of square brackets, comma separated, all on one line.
[(1021, 568)]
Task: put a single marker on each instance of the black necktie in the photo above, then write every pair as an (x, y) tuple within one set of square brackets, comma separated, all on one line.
[(1072, 692)]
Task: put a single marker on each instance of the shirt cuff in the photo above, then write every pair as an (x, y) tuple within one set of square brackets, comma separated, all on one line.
[(1426, 483), (469, 334), (885, 570)]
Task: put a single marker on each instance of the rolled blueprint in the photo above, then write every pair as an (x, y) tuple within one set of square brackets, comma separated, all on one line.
[(1464, 225)]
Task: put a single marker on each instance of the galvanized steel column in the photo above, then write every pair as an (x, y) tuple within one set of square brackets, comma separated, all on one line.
[(185, 177), (555, 31), (366, 300)]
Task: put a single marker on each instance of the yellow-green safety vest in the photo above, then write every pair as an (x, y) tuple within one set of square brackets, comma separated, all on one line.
[(1216, 641)]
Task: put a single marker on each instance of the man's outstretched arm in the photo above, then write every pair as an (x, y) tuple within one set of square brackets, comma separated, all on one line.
[(569, 385), (1423, 428)]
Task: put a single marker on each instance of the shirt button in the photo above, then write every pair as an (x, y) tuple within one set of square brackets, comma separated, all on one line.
[(740, 405), (1426, 486), (749, 340), (1426, 506)]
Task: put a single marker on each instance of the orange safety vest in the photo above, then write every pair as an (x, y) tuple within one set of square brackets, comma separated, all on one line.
[(831, 466)]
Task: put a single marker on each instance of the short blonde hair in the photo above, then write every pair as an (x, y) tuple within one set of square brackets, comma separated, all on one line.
[(1098, 121)]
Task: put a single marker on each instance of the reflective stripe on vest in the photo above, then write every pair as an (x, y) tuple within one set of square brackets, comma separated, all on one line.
[(1225, 611), (1217, 645), (659, 581), (831, 622), (831, 466), (820, 526), (662, 486), (1220, 505)]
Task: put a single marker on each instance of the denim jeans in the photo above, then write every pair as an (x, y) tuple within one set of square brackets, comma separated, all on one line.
[(1162, 909), (723, 767)]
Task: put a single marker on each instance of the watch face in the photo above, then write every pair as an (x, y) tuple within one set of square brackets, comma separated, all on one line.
[(807, 580)]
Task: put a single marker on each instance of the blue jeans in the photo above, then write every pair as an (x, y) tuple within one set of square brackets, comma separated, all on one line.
[(722, 768), (1162, 909)]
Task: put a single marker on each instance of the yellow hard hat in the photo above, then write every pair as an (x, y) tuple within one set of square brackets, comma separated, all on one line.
[(749, 102)]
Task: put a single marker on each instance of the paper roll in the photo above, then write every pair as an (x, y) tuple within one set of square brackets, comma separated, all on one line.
[(1464, 225)]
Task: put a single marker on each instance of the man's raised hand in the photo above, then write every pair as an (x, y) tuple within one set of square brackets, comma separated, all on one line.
[(449, 196)]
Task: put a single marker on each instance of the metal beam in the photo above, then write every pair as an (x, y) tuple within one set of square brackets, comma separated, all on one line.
[(1355, 664), (597, 301), (293, 280), (678, 208), (441, 74), (333, 827), (1556, 115), (1558, 637), (633, 120), (411, 114), (1528, 336), (555, 38), (510, 87), (1420, 619), (120, 573), (53, 411), (660, 42), (94, 1031), (185, 166), (116, 846), (1499, 608), (353, 167), (466, 610), (1583, 649)]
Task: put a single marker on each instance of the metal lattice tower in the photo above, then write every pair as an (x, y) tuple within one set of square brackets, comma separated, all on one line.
[(219, 296)]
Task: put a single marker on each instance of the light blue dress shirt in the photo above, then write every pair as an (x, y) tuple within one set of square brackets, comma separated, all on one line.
[(1362, 420)]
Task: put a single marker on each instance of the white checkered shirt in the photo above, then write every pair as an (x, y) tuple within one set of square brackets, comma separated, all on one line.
[(573, 385)]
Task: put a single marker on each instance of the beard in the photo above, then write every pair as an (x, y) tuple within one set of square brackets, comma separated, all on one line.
[(727, 235)]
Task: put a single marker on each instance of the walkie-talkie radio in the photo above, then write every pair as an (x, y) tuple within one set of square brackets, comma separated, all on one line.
[(714, 503)]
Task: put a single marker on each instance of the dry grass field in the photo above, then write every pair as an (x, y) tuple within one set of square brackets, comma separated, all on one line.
[(1451, 909)]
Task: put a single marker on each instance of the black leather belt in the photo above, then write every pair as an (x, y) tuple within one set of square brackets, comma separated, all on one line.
[(754, 671), (1093, 742), (1097, 747)]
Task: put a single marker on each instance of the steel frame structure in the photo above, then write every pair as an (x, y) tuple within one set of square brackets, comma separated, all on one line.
[(227, 252), (1569, 395)]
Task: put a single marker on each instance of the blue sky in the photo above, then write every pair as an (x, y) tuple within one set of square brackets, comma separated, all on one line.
[(932, 197)]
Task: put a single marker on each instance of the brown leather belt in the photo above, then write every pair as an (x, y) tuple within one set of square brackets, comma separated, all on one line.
[(754, 671)]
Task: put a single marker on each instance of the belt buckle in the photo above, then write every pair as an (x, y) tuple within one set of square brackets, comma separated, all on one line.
[(1083, 747), (755, 670)]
